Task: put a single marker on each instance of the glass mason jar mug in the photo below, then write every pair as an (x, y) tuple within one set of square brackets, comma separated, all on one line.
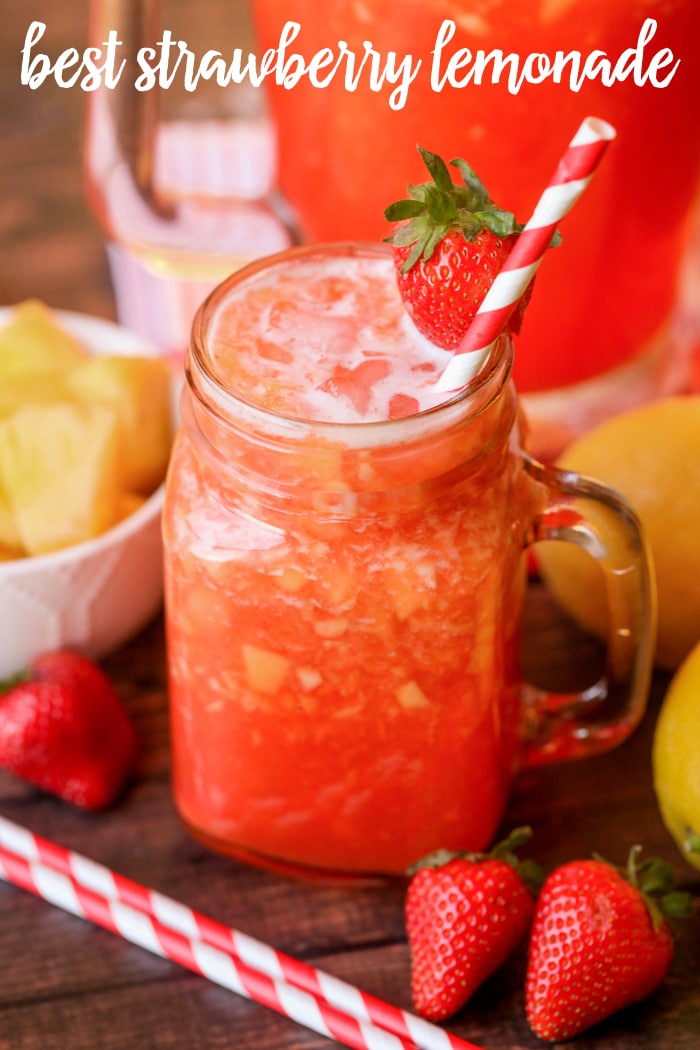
[(344, 594)]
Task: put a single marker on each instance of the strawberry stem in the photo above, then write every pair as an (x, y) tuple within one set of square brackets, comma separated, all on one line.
[(437, 168), (505, 849), (692, 841), (7, 684), (528, 870), (437, 208), (654, 878)]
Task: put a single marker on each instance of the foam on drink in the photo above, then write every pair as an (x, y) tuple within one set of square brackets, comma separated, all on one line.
[(327, 340)]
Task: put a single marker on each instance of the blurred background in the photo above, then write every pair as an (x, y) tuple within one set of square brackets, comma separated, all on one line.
[(41, 167), (41, 185)]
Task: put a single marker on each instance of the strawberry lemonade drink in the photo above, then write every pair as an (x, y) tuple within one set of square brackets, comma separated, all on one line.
[(344, 578)]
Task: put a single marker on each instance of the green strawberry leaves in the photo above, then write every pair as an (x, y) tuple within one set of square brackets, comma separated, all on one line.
[(654, 878), (433, 209), (692, 841), (529, 871), (7, 684)]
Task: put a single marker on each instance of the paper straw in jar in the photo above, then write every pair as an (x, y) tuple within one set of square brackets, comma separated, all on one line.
[(573, 173), (222, 954)]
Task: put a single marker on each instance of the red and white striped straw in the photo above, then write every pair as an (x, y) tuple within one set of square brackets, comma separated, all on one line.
[(574, 171), (220, 953)]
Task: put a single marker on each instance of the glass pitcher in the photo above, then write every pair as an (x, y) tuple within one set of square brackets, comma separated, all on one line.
[(182, 183)]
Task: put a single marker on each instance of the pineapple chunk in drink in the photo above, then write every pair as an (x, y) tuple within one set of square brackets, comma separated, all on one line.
[(265, 670)]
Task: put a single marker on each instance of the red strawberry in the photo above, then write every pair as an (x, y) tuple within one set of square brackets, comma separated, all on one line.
[(451, 242), (465, 913), (63, 728), (599, 942)]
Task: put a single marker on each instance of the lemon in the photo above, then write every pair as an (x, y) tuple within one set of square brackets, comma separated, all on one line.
[(676, 757), (651, 455)]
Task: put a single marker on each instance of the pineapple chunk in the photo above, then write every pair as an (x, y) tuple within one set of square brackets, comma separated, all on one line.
[(83, 439), (290, 579), (411, 696), (331, 628), (10, 542), (404, 591), (60, 467), (127, 503), (341, 585), (28, 388), (33, 342), (265, 670), (309, 678), (138, 390)]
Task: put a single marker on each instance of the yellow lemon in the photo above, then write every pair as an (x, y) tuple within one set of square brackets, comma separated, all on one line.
[(651, 455), (676, 757)]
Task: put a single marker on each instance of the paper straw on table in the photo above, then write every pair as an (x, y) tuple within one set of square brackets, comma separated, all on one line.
[(574, 171), (225, 956)]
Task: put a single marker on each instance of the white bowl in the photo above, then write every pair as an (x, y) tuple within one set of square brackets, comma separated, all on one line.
[(95, 595)]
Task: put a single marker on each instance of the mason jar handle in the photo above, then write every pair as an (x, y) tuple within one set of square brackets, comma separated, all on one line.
[(567, 725)]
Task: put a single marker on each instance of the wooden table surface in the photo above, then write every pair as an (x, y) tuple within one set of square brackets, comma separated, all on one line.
[(69, 986)]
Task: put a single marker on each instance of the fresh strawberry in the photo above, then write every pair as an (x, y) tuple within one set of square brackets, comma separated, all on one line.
[(448, 246), (465, 913), (599, 942), (63, 728)]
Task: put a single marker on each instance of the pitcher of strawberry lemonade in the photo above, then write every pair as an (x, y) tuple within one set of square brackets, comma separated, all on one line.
[(616, 320), (345, 576)]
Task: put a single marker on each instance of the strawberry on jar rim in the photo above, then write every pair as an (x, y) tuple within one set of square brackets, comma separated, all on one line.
[(449, 243), (465, 914), (599, 942)]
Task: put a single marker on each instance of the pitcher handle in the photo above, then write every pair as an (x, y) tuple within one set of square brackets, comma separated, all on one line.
[(584, 512)]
